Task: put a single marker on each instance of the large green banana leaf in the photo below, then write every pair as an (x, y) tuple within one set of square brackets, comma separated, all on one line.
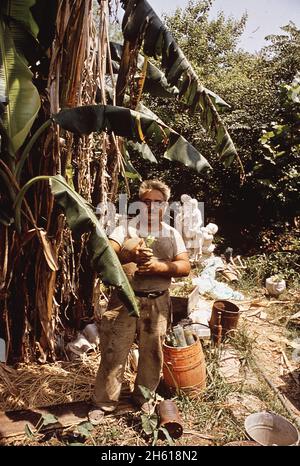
[(20, 12), (179, 150), (133, 125), (81, 219), (23, 29), (16, 87), (32, 23), (143, 149), (140, 21), (217, 100), (156, 83)]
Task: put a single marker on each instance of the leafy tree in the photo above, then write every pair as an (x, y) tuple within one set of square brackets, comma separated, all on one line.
[(283, 53), (210, 44), (250, 83), (278, 171)]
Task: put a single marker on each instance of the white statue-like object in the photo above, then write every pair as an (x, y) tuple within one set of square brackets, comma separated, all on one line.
[(188, 222), (198, 239), (208, 233)]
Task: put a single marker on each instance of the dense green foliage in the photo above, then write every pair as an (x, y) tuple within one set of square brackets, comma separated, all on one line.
[(255, 85), (278, 171)]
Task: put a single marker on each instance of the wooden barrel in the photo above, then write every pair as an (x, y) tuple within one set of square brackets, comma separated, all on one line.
[(229, 316), (184, 367)]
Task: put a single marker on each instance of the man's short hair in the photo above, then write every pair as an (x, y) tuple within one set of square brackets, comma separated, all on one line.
[(147, 185)]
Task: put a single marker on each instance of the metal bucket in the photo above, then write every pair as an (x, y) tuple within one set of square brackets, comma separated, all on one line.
[(271, 429)]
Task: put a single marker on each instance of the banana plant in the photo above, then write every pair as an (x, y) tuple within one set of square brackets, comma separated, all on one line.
[(156, 83), (81, 219), (16, 88), (142, 25), (137, 126)]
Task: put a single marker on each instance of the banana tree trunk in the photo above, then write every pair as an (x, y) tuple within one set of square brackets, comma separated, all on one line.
[(32, 295)]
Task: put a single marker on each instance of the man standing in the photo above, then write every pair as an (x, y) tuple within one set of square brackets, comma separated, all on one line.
[(150, 279)]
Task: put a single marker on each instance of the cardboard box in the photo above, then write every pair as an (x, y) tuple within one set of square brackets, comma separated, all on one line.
[(183, 305)]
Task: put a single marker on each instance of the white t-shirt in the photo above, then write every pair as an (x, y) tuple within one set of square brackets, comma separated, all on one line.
[(167, 245)]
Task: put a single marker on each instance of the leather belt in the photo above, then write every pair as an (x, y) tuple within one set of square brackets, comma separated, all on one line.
[(150, 294)]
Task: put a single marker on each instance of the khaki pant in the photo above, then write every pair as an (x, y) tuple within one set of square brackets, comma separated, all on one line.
[(117, 335)]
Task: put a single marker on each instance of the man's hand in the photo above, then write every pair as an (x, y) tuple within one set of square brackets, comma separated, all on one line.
[(142, 255), (180, 267), (150, 267), (134, 250)]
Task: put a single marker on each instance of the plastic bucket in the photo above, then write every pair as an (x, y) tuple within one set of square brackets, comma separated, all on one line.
[(184, 367), (271, 429), (229, 316)]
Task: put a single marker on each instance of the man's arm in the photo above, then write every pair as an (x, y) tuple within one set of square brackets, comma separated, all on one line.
[(116, 247), (179, 267)]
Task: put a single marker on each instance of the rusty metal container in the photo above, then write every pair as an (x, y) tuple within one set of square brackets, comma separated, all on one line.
[(229, 317), (170, 418)]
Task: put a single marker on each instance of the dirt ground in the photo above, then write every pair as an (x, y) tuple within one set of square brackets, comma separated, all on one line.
[(236, 387)]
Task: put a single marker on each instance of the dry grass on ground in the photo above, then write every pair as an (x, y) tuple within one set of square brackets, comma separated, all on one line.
[(215, 418)]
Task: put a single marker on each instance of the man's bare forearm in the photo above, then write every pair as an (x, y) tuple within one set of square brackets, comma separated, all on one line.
[(179, 268)]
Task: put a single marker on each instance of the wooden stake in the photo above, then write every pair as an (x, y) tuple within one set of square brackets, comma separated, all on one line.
[(284, 401), (289, 367)]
